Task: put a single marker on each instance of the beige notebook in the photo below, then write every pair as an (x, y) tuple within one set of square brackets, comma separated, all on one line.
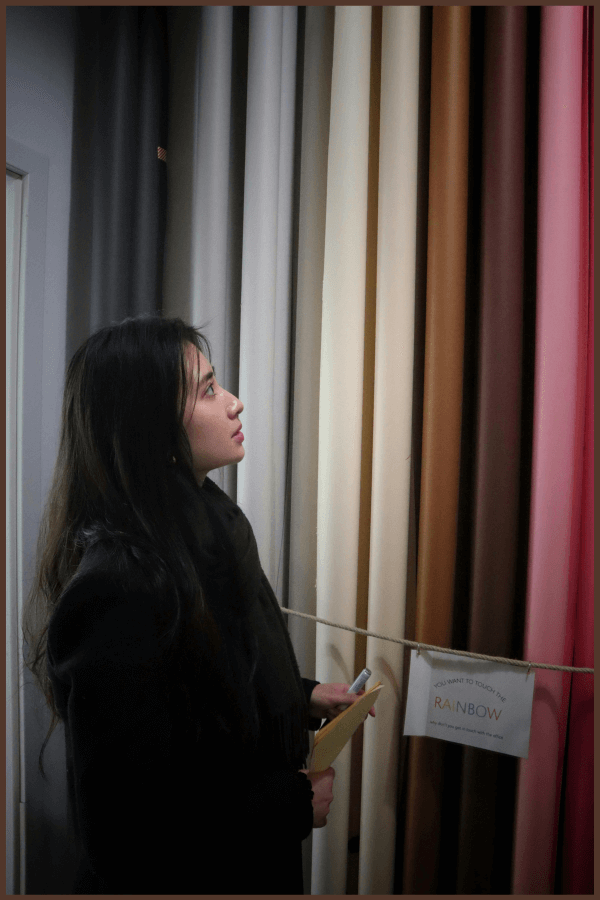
[(334, 736)]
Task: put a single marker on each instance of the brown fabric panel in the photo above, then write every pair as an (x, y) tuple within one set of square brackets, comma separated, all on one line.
[(488, 780), (501, 332), (444, 327), (446, 271), (364, 532)]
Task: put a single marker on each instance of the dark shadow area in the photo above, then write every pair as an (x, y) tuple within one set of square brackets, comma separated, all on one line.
[(529, 310), (118, 178)]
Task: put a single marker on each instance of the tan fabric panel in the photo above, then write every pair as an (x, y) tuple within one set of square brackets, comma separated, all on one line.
[(447, 231), (364, 527)]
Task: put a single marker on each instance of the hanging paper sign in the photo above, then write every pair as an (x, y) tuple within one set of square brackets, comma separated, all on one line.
[(469, 701)]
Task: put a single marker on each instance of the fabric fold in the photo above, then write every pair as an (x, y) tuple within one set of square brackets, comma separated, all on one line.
[(488, 780), (557, 446), (446, 274), (341, 371)]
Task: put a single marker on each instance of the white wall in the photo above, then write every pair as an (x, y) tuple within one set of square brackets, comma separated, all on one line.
[(40, 52), (39, 114)]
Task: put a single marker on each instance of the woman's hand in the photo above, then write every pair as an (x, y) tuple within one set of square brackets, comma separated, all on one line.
[(322, 786), (328, 700)]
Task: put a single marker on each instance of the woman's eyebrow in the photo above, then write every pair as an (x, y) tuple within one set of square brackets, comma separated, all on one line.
[(206, 376)]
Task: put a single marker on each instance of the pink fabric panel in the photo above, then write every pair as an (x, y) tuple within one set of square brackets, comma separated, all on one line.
[(557, 445), (578, 872)]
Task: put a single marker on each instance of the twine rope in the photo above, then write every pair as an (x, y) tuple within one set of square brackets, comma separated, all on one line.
[(419, 645)]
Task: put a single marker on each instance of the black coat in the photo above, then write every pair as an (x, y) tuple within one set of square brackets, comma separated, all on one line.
[(162, 804)]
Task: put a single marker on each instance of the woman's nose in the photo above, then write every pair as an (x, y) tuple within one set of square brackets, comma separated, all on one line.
[(235, 407)]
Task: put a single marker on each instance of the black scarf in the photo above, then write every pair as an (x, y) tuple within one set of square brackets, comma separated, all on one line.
[(256, 652)]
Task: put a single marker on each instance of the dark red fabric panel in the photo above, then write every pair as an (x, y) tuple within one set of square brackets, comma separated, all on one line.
[(578, 856), (488, 779)]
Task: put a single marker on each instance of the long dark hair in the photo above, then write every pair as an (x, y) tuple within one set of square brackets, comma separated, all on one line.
[(123, 473)]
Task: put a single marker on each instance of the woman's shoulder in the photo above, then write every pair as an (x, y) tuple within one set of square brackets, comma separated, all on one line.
[(115, 595)]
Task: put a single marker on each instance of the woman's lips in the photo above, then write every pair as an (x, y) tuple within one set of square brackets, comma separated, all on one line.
[(238, 436)]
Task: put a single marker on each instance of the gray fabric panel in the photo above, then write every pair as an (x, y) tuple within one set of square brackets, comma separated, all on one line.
[(266, 277)]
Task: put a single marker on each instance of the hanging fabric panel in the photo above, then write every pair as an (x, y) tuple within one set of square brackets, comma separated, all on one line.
[(266, 278), (118, 180), (446, 267), (488, 779), (392, 434), (578, 860), (316, 100), (340, 421), (184, 35), (557, 445), (206, 180), (214, 304)]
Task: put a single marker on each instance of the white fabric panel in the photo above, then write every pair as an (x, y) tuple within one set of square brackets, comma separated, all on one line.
[(212, 301), (396, 247), (340, 402), (266, 278)]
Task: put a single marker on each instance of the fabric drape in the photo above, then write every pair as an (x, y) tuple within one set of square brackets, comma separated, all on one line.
[(470, 395), (578, 862), (557, 445), (266, 277), (307, 311), (316, 100), (327, 266), (366, 461), (119, 182), (207, 103), (340, 422), (446, 265), (487, 808), (396, 248)]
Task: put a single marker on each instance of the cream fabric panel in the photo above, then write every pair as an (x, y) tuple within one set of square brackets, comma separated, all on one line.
[(316, 97), (396, 247), (340, 402), (266, 278)]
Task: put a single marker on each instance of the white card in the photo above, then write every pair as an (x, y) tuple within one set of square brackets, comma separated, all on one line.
[(470, 701)]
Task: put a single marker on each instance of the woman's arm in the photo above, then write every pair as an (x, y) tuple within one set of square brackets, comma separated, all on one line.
[(314, 724)]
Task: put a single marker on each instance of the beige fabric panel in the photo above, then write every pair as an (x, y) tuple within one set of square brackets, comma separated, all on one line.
[(396, 248), (340, 401)]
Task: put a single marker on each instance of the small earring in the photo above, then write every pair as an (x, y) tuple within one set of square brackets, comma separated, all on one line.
[(173, 461)]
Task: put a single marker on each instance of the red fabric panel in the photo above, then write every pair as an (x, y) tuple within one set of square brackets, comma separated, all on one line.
[(560, 376)]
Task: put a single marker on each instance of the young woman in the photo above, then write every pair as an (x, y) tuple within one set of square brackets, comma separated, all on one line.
[(157, 638)]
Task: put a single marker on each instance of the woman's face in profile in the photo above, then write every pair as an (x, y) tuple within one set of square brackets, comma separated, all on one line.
[(211, 418)]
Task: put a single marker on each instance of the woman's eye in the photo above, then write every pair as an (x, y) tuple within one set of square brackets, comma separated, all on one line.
[(210, 389)]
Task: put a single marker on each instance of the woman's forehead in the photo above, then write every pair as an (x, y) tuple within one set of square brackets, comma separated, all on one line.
[(196, 363)]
